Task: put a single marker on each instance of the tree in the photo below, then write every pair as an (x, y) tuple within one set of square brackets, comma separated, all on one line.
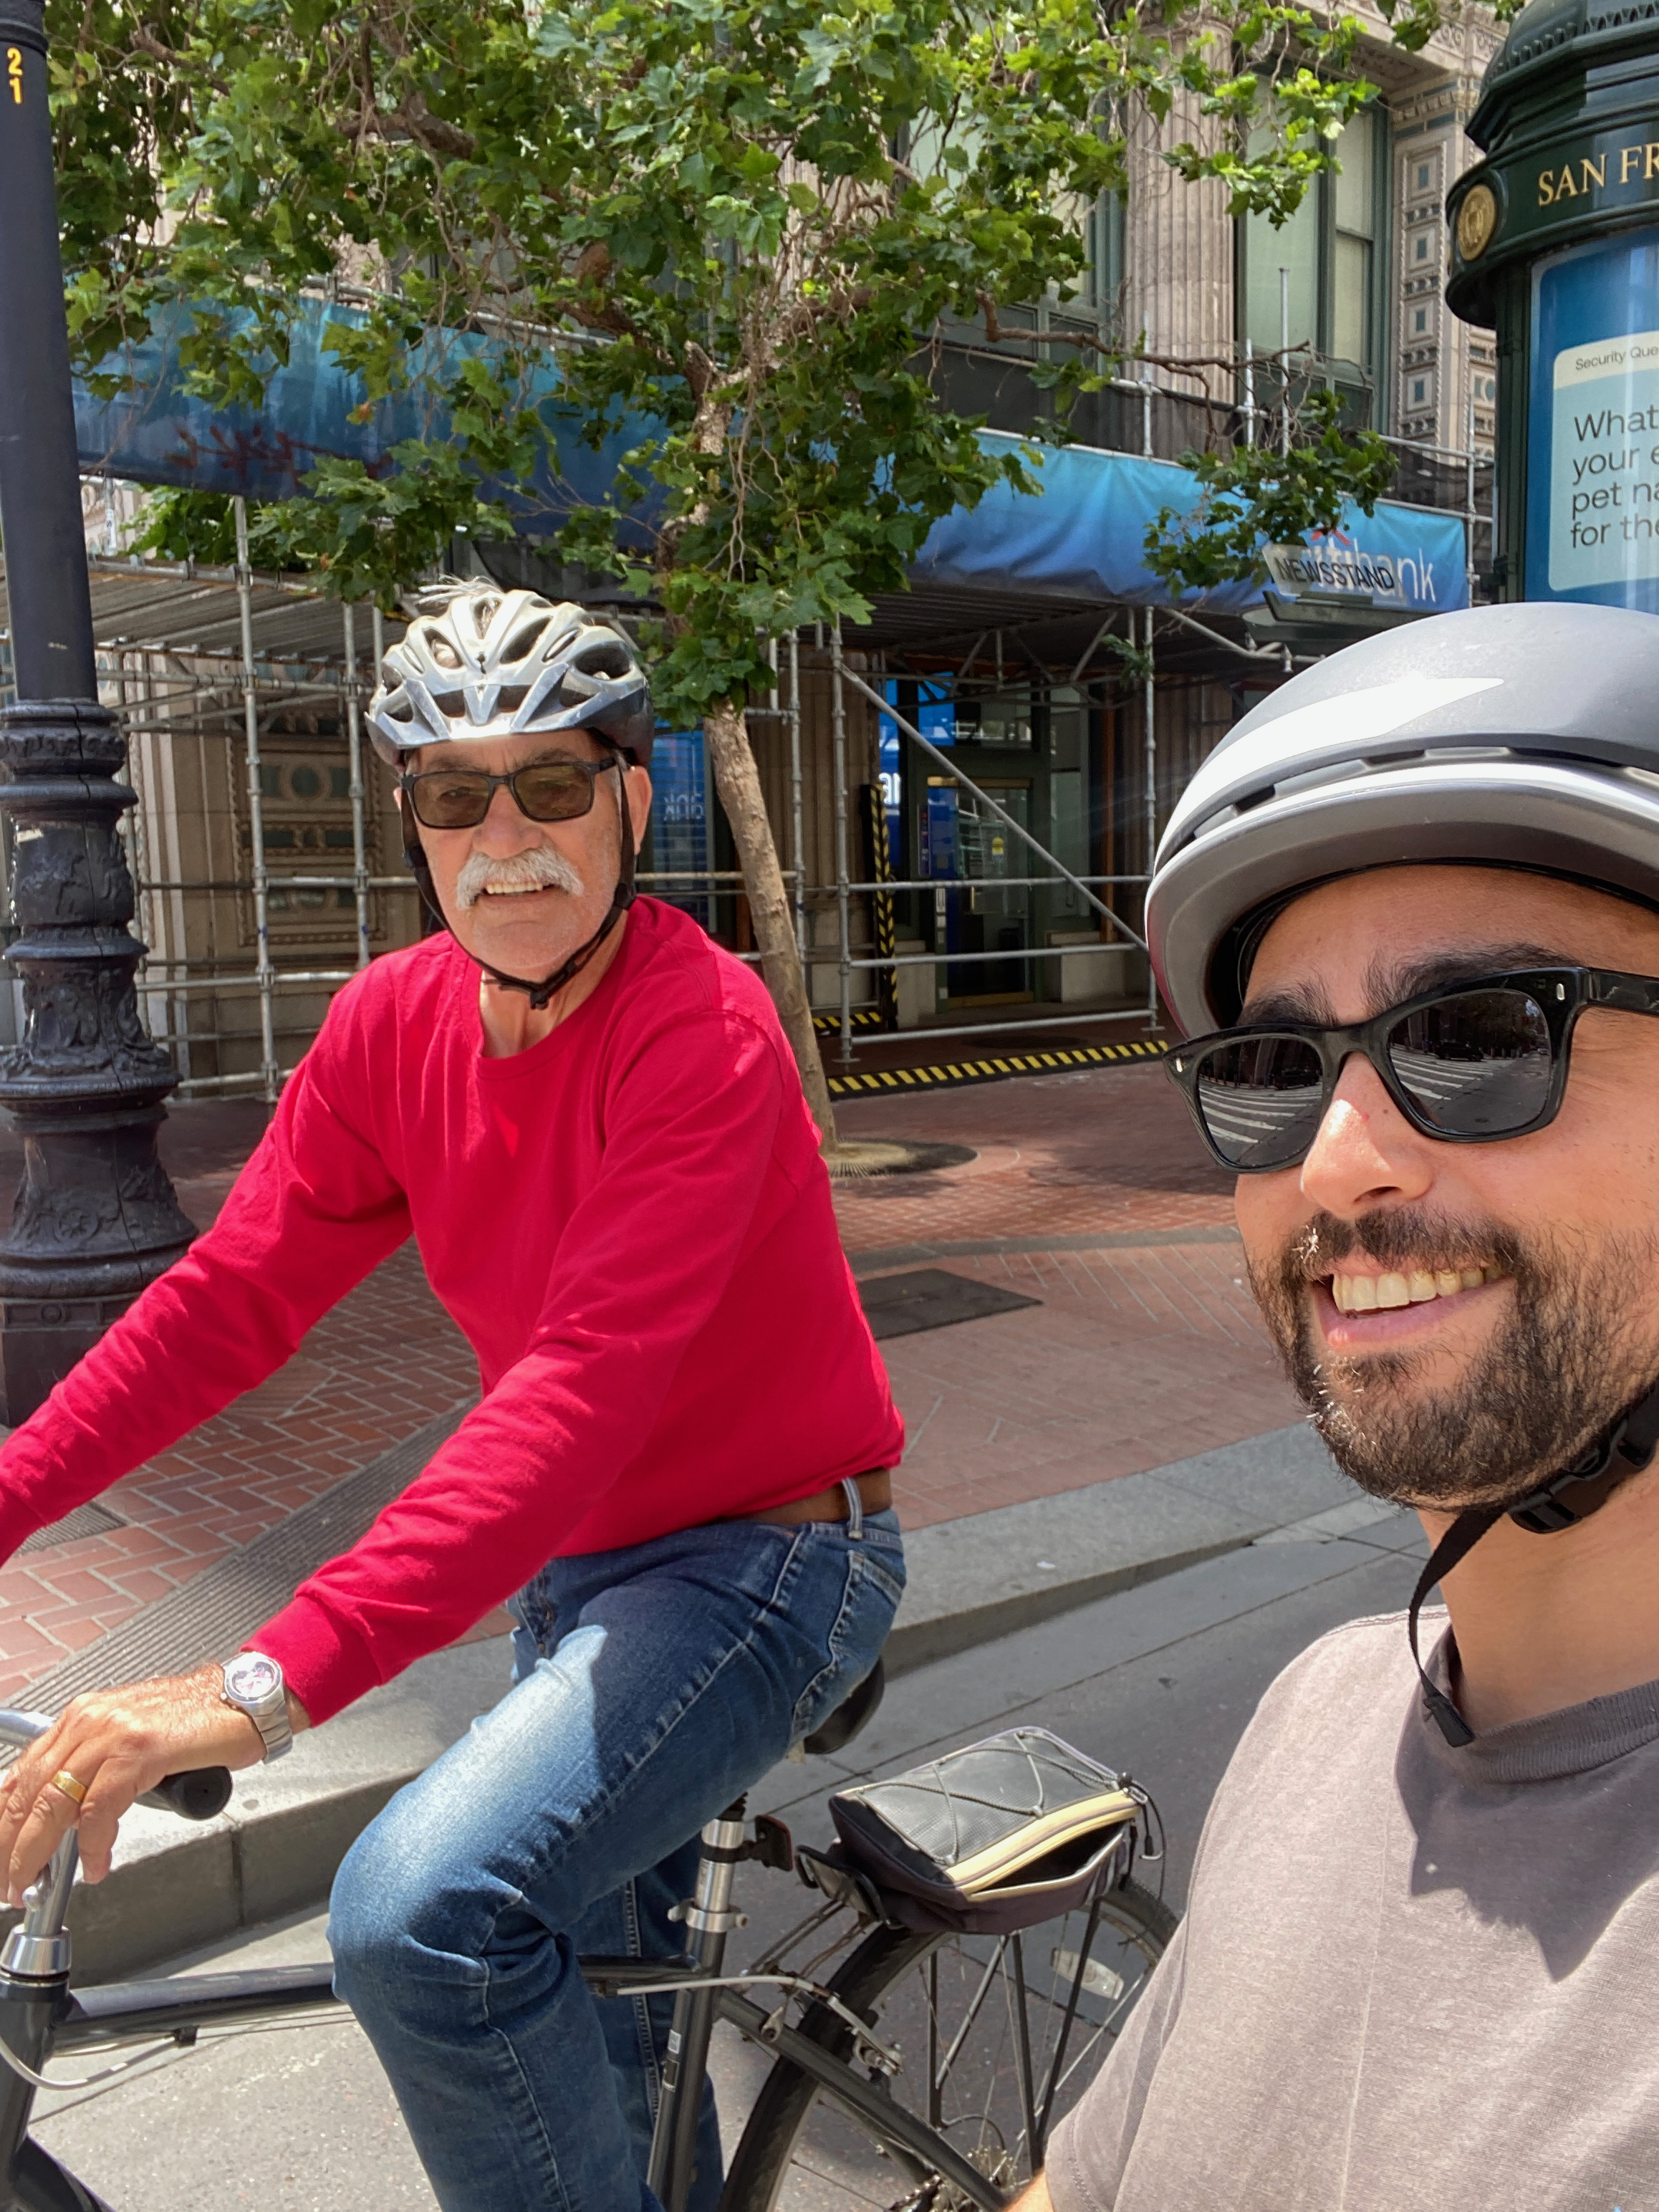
[(732, 222)]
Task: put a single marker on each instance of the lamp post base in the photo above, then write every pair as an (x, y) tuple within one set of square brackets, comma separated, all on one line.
[(41, 1340), (95, 1219)]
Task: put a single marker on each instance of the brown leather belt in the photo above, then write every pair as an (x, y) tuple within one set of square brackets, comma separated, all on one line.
[(875, 1489)]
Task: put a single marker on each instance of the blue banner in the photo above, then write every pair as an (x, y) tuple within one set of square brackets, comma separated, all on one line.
[(1082, 539)]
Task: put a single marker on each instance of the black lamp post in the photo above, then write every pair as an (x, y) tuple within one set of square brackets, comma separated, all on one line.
[(95, 1218)]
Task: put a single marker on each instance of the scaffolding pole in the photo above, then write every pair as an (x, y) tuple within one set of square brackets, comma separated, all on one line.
[(843, 873), (354, 744), (268, 1070), (1150, 745)]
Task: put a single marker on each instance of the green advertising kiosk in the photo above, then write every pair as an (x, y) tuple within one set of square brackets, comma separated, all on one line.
[(1555, 245)]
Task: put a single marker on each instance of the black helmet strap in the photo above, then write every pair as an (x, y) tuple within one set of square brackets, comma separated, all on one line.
[(1561, 1502), (623, 896)]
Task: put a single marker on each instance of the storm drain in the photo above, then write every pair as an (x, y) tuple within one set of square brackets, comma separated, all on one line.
[(85, 1521)]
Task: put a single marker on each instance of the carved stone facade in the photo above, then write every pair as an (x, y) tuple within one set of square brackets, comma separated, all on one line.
[(1177, 251), (1445, 373), (1436, 379)]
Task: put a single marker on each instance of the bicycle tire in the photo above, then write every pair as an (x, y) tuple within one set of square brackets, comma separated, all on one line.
[(867, 1979)]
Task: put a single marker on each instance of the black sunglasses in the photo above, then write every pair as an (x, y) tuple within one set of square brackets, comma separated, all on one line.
[(1468, 1064), (547, 791)]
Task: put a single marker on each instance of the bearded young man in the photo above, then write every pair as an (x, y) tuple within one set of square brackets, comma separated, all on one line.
[(1420, 885), (587, 1115)]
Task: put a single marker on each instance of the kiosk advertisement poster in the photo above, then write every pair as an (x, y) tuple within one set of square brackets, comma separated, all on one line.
[(1593, 427)]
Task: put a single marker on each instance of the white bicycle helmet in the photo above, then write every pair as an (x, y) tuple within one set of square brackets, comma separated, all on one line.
[(484, 664), (490, 663), (1517, 737), (1523, 737)]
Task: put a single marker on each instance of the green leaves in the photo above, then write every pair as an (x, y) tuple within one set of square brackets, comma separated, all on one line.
[(1257, 497), (732, 222)]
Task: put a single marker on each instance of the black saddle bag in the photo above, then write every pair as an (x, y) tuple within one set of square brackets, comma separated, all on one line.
[(996, 1837)]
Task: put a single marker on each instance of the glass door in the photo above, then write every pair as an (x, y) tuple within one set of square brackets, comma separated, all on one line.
[(984, 912)]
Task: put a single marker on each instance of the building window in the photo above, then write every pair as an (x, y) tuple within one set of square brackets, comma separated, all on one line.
[(1420, 391), (1313, 282), (1419, 319), (1422, 176), (1354, 198), (1420, 250)]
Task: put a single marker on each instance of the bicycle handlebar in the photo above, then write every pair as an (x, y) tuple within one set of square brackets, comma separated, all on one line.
[(199, 1794)]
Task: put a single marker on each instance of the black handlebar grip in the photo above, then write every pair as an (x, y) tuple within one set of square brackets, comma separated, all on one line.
[(197, 1795)]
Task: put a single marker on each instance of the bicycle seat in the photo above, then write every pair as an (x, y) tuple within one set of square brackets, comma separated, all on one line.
[(1001, 1835), (855, 1711)]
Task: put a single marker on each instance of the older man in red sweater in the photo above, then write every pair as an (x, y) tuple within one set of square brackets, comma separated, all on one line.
[(589, 1119)]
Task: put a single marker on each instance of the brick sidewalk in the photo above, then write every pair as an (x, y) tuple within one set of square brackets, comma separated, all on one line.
[(1090, 1191), (1147, 1346)]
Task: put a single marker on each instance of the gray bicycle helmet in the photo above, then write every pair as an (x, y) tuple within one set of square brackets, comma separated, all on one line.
[(483, 664), (489, 664), (1523, 736), (1518, 736)]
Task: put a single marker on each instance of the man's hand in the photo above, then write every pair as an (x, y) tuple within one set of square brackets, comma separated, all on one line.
[(1035, 2198), (118, 1743)]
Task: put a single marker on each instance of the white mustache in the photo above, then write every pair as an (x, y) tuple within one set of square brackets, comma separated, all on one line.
[(539, 869)]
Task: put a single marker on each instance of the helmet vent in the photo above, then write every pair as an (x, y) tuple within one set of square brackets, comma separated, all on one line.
[(605, 660), (522, 643), (441, 650)]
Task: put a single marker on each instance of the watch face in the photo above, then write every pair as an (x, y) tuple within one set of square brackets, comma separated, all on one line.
[(252, 1676)]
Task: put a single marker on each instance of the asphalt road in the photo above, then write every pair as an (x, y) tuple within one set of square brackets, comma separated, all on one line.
[(1158, 1681)]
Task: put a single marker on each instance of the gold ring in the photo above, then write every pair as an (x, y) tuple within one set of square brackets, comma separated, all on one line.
[(65, 1781)]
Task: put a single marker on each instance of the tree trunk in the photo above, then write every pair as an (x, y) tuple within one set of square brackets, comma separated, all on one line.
[(737, 781)]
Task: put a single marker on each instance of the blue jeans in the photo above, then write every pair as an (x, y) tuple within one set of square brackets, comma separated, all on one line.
[(652, 1684)]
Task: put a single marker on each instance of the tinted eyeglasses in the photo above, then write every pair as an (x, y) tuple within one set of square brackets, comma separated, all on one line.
[(547, 791), (1467, 1064)]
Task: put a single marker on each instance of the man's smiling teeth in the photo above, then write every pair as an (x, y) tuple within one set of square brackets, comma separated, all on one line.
[(1366, 1294)]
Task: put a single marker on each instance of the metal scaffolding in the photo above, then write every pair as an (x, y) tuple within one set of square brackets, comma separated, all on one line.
[(200, 661), (216, 670)]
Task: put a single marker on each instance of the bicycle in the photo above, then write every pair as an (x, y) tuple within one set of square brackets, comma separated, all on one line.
[(923, 2075)]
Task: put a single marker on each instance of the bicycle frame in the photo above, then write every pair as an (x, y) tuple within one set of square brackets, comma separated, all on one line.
[(40, 2015)]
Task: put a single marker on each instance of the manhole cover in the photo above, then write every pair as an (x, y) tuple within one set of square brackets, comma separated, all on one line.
[(932, 1297)]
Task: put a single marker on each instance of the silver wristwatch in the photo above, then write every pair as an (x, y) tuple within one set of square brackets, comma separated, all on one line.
[(254, 1685)]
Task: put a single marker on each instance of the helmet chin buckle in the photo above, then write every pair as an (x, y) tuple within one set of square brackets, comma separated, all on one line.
[(1561, 1502), (1585, 1487)]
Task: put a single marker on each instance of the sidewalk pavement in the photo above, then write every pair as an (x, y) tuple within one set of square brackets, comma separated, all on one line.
[(1131, 1422)]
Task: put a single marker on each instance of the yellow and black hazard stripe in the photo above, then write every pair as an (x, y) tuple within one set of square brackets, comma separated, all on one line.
[(1049, 1061), (864, 1017)]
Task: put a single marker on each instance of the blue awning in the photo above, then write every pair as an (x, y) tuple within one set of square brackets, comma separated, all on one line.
[(1085, 538), (1082, 540)]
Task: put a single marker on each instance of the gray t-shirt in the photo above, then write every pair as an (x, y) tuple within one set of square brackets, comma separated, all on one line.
[(1410, 1977)]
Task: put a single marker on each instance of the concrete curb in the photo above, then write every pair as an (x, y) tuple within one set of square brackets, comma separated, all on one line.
[(176, 1888), (971, 1581)]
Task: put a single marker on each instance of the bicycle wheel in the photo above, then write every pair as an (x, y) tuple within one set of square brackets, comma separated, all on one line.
[(999, 2036)]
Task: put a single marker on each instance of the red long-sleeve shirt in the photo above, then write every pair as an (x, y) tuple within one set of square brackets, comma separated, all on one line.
[(632, 1224)]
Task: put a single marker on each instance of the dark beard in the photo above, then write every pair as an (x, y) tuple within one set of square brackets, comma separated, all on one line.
[(1556, 1376)]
